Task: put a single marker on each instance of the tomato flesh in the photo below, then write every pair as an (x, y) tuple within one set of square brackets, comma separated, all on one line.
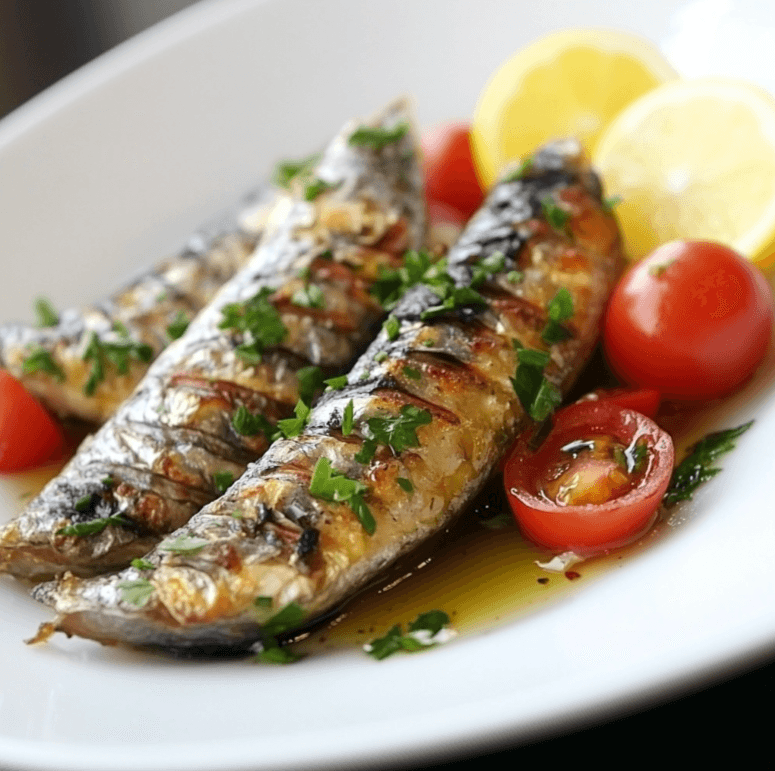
[(643, 400), (29, 436), (449, 168), (693, 320), (595, 482)]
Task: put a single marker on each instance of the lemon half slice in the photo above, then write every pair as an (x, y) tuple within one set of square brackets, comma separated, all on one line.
[(568, 84), (694, 159)]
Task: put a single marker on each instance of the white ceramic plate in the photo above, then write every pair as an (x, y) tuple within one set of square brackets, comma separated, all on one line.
[(116, 165)]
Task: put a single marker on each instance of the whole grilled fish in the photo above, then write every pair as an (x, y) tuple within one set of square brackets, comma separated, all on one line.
[(394, 455), (211, 401), (58, 363)]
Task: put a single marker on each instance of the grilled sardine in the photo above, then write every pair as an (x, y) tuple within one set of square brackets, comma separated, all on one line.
[(57, 363), (394, 455), (211, 401)]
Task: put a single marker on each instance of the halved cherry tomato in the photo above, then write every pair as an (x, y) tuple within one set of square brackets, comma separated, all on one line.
[(29, 436), (693, 320), (643, 400), (595, 482), (449, 168)]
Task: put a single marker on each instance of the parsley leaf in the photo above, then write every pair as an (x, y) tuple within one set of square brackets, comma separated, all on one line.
[(698, 466), (347, 419), (412, 373), (309, 296), (178, 326), (246, 423), (536, 394), (140, 564), (336, 383), (277, 655), (287, 170), (286, 619), (136, 592), (310, 379), (560, 309), (93, 526), (521, 171), (391, 326), (332, 485), (398, 432), (317, 186), (392, 284), (101, 353), (290, 427), (46, 313), (259, 323), (222, 481), (422, 632), (41, 360), (376, 137), (556, 216), (405, 484), (184, 544)]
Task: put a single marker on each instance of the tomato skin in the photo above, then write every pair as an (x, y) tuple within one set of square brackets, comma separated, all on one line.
[(29, 436), (692, 320), (449, 168), (590, 527), (643, 400)]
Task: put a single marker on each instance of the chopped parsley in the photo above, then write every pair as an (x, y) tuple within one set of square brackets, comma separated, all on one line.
[(184, 544), (317, 186), (412, 373), (274, 654), (259, 323), (101, 353), (310, 379), (347, 418), (46, 313), (41, 360), (246, 423), (136, 592), (555, 215), (380, 357), (286, 619), (331, 485), (521, 171), (405, 484), (178, 326), (309, 296), (336, 383), (610, 203), (285, 171), (398, 432), (291, 427), (515, 276), (141, 564), (376, 137), (536, 394), (392, 284), (93, 526), (699, 466), (391, 326), (222, 481), (263, 602), (560, 309), (423, 633)]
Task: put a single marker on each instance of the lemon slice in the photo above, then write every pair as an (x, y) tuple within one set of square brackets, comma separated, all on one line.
[(694, 159), (568, 84)]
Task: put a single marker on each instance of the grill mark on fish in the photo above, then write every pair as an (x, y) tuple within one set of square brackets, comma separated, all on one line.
[(170, 432), (194, 603)]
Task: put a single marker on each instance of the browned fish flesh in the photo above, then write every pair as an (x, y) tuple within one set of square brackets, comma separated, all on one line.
[(389, 459), (211, 401)]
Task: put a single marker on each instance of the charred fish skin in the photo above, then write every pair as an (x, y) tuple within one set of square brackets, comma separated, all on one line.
[(210, 402), (144, 316), (392, 457)]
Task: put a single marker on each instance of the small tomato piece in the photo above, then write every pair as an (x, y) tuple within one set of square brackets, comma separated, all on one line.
[(692, 320), (29, 436), (595, 482), (449, 168), (643, 400)]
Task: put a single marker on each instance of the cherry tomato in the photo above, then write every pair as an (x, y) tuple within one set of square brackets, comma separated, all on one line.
[(692, 320), (594, 483), (643, 400), (29, 436), (449, 169)]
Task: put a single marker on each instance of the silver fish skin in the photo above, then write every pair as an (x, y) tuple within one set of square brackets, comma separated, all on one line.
[(271, 543), (174, 443), (142, 312)]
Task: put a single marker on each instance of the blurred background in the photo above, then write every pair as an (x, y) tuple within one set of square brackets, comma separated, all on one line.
[(41, 41)]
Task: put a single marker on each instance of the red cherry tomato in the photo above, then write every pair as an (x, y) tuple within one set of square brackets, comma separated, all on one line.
[(643, 400), (29, 436), (594, 483), (692, 320), (449, 168)]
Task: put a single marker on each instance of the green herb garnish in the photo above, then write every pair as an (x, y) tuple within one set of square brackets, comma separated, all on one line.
[(290, 617), (347, 418), (515, 276), (222, 481), (376, 137), (141, 564), (392, 284), (521, 171), (610, 203), (556, 216), (286, 619), (391, 326), (405, 484), (246, 423), (536, 394), (317, 186), (136, 592), (274, 654), (420, 636), (412, 373), (184, 544), (290, 427), (93, 526), (263, 602), (309, 296), (178, 326), (101, 353), (310, 379), (336, 383), (41, 360), (560, 309), (259, 323), (285, 171), (698, 466), (398, 432), (46, 313), (332, 485)]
